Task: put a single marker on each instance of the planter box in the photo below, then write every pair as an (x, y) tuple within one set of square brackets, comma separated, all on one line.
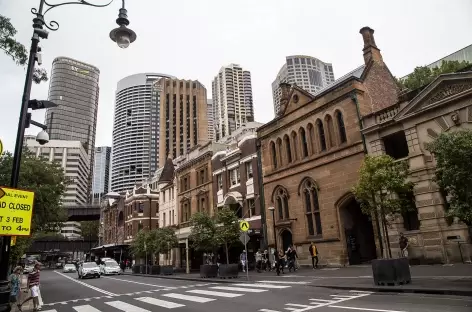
[(142, 269), (136, 269), (155, 270), (207, 271), (391, 271), (229, 270), (167, 270)]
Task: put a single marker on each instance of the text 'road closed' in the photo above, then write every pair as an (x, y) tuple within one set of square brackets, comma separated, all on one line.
[(16, 209)]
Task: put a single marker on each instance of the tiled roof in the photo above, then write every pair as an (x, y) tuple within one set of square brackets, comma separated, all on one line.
[(167, 173), (356, 73)]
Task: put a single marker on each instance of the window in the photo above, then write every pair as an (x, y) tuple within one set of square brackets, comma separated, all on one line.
[(341, 127), (234, 176), (251, 206), (273, 154), (410, 212), (304, 142), (173, 221), (219, 181), (202, 175), (321, 133), (396, 145), (288, 149), (248, 170), (330, 128), (164, 219), (202, 203), (185, 214), (281, 200), (185, 183), (140, 207), (312, 208), (164, 196)]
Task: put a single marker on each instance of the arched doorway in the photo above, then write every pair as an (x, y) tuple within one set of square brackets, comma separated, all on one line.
[(358, 231), (286, 236)]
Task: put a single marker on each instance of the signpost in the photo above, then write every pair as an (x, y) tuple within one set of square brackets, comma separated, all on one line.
[(244, 238), (244, 226), (16, 211)]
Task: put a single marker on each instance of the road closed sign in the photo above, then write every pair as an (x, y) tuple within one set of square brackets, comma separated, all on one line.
[(16, 211)]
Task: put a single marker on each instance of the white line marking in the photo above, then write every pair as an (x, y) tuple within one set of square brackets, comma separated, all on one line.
[(319, 305), (127, 281), (322, 300), (283, 282), (214, 293), (123, 306), (267, 310), (363, 309), (292, 309), (297, 305), (189, 298), (85, 308), (86, 285), (239, 289), (361, 291), (50, 311), (263, 286), (161, 303)]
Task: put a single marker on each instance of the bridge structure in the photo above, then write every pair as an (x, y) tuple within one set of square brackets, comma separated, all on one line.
[(83, 213)]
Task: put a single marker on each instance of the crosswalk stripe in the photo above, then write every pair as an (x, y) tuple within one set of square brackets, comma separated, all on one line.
[(123, 306), (283, 282), (214, 293), (239, 289), (189, 298), (85, 308), (161, 303), (263, 286), (50, 311)]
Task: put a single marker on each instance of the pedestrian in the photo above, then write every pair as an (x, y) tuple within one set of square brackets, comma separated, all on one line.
[(403, 242), (314, 255), (33, 286), (258, 260), (123, 266), (15, 287), (243, 259), (291, 256), (281, 262)]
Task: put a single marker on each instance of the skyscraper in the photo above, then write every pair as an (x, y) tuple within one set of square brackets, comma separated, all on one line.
[(101, 173), (211, 120), (136, 130), (183, 118), (74, 87), (232, 99), (307, 72)]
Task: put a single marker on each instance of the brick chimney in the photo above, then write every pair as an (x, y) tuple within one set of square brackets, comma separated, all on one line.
[(371, 52), (285, 88)]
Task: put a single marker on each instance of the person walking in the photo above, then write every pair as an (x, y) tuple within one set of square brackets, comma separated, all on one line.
[(243, 259), (33, 286), (291, 257), (314, 255), (15, 287), (403, 242), (258, 260)]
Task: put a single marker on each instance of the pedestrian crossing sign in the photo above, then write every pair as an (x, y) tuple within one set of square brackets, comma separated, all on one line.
[(244, 226)]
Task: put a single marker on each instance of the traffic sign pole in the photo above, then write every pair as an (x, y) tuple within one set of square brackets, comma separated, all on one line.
[(245, 249)]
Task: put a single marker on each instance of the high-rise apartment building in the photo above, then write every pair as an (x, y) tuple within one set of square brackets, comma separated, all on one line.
[(183, 118), (135, 151), (232, 99), (307, 72), (101, 173), (74, 87), (211, 120)]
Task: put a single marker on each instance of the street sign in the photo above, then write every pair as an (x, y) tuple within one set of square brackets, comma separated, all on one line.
[(1, 147), (16, 211), (244, 226), (244, 238), (13, 241)]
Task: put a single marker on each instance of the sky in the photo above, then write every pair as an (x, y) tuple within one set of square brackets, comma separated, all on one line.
[(192, 39)]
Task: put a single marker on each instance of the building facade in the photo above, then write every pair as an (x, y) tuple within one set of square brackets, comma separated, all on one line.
[(74, 88), (211, 120), (232, 99), (136, 130), (311, 154), (183, 117), (101, 173), (306, 72), (402, 131), (71, 230)]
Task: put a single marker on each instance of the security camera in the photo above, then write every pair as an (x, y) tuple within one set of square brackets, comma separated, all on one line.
[(42, 137)]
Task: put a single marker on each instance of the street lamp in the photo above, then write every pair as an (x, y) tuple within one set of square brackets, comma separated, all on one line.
[(123, 37), (272, 209)]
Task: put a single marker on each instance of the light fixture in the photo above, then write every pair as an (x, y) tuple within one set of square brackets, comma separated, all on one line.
[(122, 35)]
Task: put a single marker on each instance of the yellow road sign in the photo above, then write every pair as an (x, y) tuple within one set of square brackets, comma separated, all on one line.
[(244, 226), (1, 147), (16, 211), (13, 241)]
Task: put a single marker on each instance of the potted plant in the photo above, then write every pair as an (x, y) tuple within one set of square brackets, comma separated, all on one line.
[(381, 179), (166, 240), (203, 238), (227, 232)]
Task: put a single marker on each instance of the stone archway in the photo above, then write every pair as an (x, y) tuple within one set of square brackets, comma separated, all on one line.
[(233, 201), (358, 231), (286, 238)]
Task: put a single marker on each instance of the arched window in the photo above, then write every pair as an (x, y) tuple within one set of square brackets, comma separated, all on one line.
[(279, 151), (295, 143), (281, 201), (311, 138), (288, 149), (312, 208), (341, 127), (304, 143), (321, 133), (273, 153), (330, 128)]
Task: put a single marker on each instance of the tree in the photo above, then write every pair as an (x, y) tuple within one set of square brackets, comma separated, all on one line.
[(227, 231), (15, 49), (140, 245), (22, 244), (381, 178), (90, 229), (203, 233), (423, 75), (47, 181), (453, 154), (165, 240)]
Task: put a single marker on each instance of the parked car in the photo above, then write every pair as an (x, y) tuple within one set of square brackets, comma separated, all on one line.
[(110, 267), (69, 268), (88, 269)]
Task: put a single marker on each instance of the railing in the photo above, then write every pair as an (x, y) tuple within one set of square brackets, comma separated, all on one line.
[(387, 114)]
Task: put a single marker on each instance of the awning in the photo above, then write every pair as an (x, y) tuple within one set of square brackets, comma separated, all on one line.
[(109, 246)]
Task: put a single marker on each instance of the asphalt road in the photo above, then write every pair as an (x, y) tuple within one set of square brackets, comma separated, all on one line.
[(65, 293)]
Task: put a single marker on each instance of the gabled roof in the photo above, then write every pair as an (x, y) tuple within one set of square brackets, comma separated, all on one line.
[(167, 174), (356, 73)]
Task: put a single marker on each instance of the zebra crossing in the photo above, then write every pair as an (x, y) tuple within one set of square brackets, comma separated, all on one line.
[(148, 301)]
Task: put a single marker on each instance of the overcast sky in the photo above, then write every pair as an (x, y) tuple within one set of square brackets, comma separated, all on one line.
[(192, 39)]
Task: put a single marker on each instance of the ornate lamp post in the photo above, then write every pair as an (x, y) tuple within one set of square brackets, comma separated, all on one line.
[(122, 35)]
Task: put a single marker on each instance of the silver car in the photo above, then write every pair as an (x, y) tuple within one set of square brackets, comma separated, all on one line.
[(69, 268), (88, 269)]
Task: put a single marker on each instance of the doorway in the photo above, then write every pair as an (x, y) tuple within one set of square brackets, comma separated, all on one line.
[(286, 239), (359, 233)]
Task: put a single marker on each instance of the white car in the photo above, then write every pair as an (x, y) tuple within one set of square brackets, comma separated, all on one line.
[(69, 268), (88, 269), (110, 267)]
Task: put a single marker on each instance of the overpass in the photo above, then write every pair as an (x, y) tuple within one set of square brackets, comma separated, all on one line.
[(83, 213)]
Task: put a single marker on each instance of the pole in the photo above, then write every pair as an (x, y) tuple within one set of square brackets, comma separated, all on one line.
[(245, 250), (275, 235), (187, 269)]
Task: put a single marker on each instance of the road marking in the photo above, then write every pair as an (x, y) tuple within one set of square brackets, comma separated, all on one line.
[(322, 300), (85, 308), (297, 305), (189, 298), (267, 310), (127, 281), (158, 302), (283, 282), (50, 311), (214, 293), (263, 286), (239, 289), (87, 285), (363, 309), (123, 306)]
